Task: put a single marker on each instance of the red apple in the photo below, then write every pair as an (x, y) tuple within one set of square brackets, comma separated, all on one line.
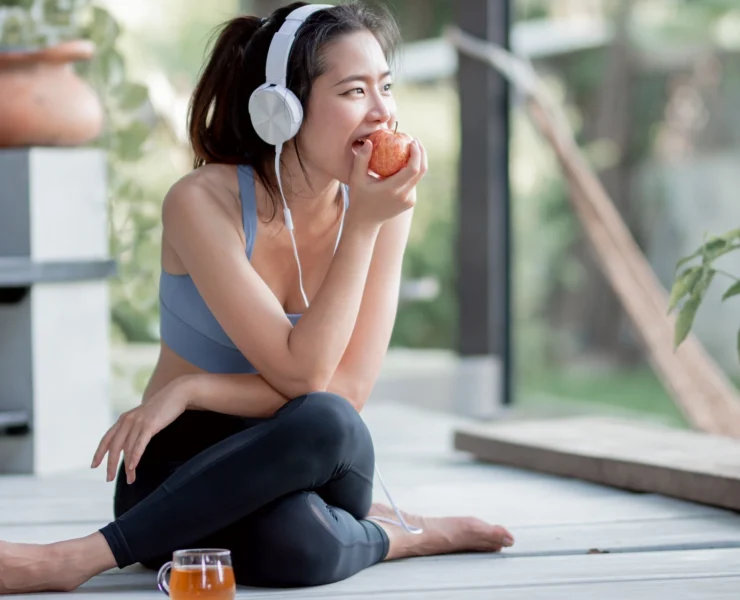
[(391, 151)]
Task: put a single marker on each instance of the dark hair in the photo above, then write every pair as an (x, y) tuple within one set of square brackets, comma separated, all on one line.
[(220, 128)]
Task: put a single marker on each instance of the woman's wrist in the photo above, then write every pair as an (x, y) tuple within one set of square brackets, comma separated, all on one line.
[(190, 389), (359, 227), (240, 394)]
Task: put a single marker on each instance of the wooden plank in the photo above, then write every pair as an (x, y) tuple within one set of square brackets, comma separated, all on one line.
[(526, 503), (628, 536), (686, 589), (47, 509), (625, 454), (474, 575), (498, 572), (716, 588)]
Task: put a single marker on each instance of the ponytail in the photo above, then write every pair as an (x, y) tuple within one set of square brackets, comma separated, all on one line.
[(216, 113)]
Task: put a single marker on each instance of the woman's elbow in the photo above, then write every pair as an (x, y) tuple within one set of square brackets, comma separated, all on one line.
[(304, 385), (355, 394)]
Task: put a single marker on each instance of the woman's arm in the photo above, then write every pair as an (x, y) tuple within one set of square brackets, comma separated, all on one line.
[(293, 360), (211, 250), (362, 360), (360, 366), (239, 394), (249, 395)]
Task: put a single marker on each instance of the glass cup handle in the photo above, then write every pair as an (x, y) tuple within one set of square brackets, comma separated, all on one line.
[(161, 578)]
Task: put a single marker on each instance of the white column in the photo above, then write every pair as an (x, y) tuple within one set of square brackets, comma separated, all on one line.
[(54, 342)]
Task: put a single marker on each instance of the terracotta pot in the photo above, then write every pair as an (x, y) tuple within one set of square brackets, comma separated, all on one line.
[(42, 100)]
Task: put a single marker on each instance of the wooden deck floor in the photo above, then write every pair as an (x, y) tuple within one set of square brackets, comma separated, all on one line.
[(648, 546)]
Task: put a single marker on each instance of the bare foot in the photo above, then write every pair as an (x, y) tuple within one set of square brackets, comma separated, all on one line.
[(59, 567), (442, 535), (31, 568)]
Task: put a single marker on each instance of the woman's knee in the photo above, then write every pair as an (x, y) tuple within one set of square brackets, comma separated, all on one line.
[(306, 563), (293, 549), (331, 420)]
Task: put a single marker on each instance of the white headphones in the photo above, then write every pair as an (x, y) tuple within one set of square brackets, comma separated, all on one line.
[(276, 112)]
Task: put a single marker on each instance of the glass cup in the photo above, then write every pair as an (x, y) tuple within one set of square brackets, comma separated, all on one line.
[(200, 573)]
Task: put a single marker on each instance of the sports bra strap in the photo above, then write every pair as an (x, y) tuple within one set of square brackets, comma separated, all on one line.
[(249, 206)]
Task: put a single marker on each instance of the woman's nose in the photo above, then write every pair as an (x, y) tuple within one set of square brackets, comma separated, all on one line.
[(381, 111)]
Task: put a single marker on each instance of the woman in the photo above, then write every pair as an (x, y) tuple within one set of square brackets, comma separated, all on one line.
[(248, 436)]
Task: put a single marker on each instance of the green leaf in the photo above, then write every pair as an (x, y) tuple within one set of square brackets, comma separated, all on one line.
[(683, 285), (111, 68), (131, 139), (103, 30), (130, 95), (732, 235), (717, 248), (685, 320), (733, 290), (712, 248), (714, 243), (688, 311)]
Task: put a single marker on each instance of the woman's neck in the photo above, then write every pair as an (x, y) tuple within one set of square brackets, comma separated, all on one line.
[(307, 201)]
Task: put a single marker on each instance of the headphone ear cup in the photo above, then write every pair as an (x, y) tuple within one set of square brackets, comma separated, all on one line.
[(276, 113)]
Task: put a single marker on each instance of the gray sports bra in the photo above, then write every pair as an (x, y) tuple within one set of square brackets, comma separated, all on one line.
[(187, 325)]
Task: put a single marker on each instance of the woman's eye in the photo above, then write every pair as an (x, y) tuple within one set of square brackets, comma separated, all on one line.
[(386, 88)]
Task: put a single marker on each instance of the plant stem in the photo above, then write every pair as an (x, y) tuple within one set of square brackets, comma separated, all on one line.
[(726, 274)]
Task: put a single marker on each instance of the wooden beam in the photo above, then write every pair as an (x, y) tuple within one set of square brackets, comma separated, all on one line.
[(636, 456), (483, 237)]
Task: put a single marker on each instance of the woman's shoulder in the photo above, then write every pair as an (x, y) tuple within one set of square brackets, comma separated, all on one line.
[(210, 191), (212, 180)]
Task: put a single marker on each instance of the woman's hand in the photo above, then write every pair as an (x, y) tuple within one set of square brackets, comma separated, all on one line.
[(133, 430), (376, 200)]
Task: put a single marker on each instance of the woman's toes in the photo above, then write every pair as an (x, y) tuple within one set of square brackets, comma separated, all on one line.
[(505, 538)]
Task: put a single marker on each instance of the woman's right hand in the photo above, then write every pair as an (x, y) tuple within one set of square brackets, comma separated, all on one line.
[(373, 200)]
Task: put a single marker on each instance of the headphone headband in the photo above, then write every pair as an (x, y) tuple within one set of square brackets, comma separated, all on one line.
[(282, 42)]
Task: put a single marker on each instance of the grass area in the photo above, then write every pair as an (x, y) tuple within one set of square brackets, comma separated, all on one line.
[(638, 392)]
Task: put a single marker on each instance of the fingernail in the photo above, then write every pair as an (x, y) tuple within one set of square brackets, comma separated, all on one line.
[(508, 541)]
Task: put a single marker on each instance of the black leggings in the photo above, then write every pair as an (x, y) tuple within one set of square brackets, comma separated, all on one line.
[(287, 495)]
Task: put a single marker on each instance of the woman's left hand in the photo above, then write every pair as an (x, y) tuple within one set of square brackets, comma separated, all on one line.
[(133, 430)]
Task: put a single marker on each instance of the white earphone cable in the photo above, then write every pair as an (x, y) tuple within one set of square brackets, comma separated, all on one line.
[(401, 521), (289, 220)]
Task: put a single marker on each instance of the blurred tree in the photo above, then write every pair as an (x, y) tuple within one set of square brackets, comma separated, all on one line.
[(593, 310), (621, 95)]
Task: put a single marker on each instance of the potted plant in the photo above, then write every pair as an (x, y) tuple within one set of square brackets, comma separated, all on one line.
[(43, 101)]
